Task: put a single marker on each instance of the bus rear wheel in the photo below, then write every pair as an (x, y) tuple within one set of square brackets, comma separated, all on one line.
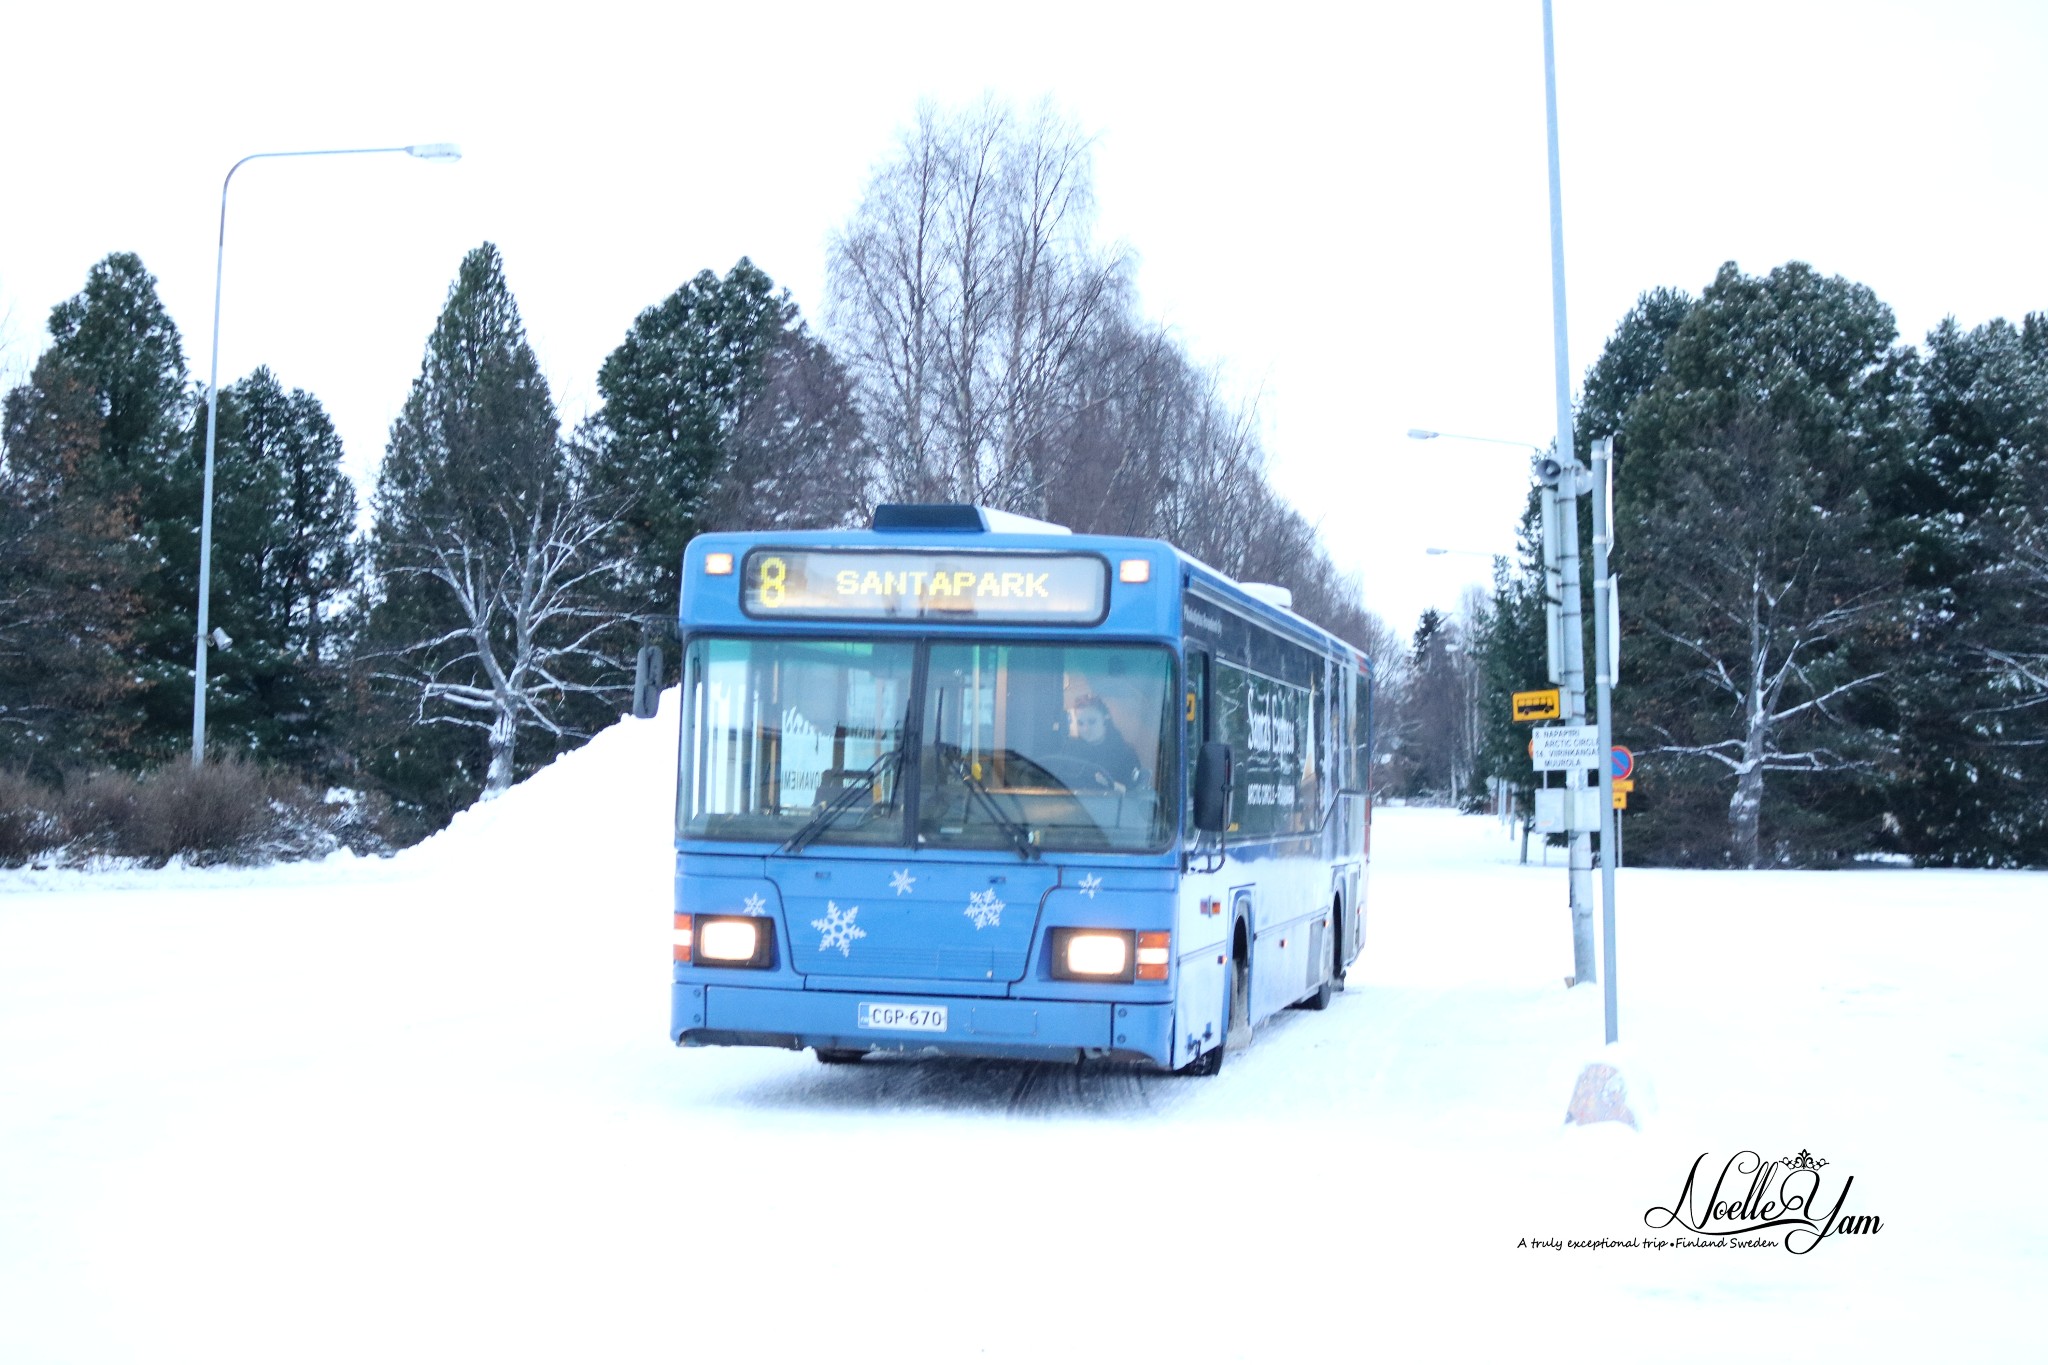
[(1319, 998), (1238, 1034)]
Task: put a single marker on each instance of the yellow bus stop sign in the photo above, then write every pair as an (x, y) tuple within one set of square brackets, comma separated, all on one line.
[(1541, 705)]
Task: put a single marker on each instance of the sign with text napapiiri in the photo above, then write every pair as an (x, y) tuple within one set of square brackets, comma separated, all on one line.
[(913, 585), (1556, 748)]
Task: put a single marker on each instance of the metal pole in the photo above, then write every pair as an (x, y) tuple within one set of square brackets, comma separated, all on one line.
[(1603, 655), (206, 498), (1572, 673), (437, 151)]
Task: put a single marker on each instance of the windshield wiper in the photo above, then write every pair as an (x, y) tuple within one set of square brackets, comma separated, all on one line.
[(864, 781), (1018, 834), (862, 784)]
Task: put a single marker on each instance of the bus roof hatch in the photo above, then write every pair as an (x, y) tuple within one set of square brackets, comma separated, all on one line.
[(959, 516)]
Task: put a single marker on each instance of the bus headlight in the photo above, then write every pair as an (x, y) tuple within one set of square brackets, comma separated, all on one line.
[(1092, 954), (733, 941)]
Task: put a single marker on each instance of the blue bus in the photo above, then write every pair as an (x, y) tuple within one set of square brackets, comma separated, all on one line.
[(965, 783)]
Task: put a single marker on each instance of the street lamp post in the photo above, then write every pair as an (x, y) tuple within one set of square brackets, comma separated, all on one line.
[(425, 151), (1561, 486)]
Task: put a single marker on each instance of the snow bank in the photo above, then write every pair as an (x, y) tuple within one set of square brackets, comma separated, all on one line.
[(610, 804)]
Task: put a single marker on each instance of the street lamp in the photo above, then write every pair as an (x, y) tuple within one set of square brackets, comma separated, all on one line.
[(425, 151), (1419, 434)]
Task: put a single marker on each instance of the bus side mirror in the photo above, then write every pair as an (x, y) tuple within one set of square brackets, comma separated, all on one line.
[(1212, 788), (647, 682)]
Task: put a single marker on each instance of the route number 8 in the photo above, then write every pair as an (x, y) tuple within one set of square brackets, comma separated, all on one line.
[(774, 573)]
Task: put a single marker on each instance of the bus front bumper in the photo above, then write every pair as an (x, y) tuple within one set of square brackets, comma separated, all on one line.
[(1055, 1030)]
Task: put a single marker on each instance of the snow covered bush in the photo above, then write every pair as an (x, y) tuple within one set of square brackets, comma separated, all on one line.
[(229, 812), (29, 823)]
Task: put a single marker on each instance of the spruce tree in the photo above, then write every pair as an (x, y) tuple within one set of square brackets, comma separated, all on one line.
[(1628, 366), (115, 339), (1510, 642), (69, 568), (797, 458), (495, 617), (283, 570), (676, 393), (116, 334), (1764, 601), (1972, 785)]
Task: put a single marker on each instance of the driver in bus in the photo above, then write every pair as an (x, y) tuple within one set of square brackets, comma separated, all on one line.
[(1097, 759)]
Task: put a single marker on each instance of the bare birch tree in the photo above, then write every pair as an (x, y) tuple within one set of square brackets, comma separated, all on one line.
[(997, 358), (964, 292), (528, 625), (1766, 577), (886, 293)]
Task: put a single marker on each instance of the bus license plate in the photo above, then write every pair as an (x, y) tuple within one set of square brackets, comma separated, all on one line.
[(905, 1018)]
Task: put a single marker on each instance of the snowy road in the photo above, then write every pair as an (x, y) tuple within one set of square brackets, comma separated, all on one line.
[(424, 1110)]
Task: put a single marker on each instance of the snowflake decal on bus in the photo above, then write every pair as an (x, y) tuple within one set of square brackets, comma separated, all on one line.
[(754, 906), (900, 881), (839, 929), (984, 909), (1090, 884)]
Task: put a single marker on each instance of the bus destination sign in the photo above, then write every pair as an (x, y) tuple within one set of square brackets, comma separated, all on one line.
[(893, 585)]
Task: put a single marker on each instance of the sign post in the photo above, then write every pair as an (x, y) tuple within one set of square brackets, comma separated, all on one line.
[(1603, 668)]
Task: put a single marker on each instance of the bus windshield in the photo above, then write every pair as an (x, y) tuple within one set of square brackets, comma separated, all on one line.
[(1025, 746), (1052, 746)]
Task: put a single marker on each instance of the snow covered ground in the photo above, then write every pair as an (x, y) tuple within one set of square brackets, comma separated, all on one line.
[(424, 1109)]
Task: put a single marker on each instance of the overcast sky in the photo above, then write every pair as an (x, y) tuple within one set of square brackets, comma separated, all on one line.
[(1347, 213)]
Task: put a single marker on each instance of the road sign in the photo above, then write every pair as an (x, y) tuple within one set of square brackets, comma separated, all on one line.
[(1620, 799), (1624, 762), (1557, 748), (1624, 785), (1561, 810), (1541, 705)]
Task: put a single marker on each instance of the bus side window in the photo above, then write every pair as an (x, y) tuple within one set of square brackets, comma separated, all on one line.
[(1361, 730)]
